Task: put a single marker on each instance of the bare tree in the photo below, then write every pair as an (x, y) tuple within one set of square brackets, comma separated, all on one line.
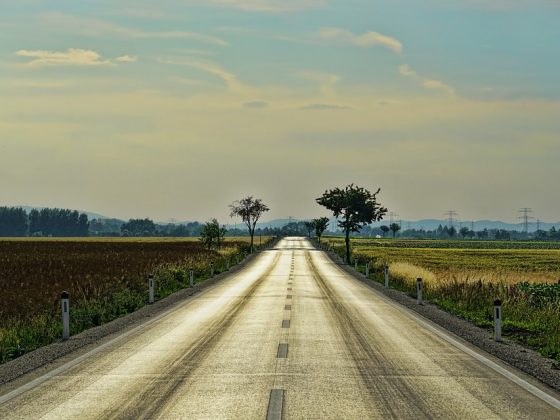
[(309, 225), (250, 210), (320, 226)]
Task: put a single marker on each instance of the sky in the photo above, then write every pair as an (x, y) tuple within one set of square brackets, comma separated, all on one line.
[(174, 109)]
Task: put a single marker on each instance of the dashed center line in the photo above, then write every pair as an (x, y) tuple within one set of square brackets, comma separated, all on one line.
[(282, 351)]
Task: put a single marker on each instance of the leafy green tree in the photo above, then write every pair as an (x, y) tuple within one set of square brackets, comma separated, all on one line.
[(250, 210), (309, 227), (13, 221), (354, 206), (464, 232), (320, 225), (212, 234), (384, 229), (395, 227), (139, 227)]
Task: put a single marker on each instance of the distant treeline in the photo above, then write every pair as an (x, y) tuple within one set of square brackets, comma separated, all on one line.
[(15, 221)]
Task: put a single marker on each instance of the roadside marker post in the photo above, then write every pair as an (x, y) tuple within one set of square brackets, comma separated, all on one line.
[(150, 288), (367, 269), (356, 264), (191, 277), (386, 272), (65, 303), (236, 259), (419, 291), (211, 268), (498, 320), (227, 265)]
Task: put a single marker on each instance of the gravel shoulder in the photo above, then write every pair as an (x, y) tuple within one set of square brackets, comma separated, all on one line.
[(36, 363), (520, 357)]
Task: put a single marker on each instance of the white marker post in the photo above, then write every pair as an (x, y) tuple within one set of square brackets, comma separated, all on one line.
[(386, 272), (65, 303), (227, 266), (191, 277), (211, 268), (356, 264), (367, 269), (151, 288), (419, 290), (498, 320)]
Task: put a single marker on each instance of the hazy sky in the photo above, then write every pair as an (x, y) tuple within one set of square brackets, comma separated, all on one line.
[(173, 109)]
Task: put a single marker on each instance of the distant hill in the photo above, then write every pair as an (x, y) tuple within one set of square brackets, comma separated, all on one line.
[(89, 214)]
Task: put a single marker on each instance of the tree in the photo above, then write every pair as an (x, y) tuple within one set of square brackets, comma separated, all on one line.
[(13, 221), (395, 227), (139, 227), (309, 227), (464, 232), (212, 233), (320, 226), (355, 207), (250, 210), (384, 230)]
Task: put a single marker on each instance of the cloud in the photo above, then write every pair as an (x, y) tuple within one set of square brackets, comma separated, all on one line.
[(368, 39), (436, 84), (323, 107), (73, 56), (256, 104), (271, 6), (127, 58), (326, 81), (96, 27), (214, 69), (407, 71)]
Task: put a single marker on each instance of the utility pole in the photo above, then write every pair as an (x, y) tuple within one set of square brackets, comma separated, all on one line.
[(525, 217), (451, 215), (392, 217), (538, 224)]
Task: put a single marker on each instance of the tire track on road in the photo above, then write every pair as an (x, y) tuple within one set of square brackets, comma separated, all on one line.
[(160, 390)]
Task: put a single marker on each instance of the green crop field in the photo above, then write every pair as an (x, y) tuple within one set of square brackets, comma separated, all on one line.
[(106, 278), (465, 277)]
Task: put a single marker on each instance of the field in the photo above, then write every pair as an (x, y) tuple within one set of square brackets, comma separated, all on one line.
[(106, 278), (465, 277)]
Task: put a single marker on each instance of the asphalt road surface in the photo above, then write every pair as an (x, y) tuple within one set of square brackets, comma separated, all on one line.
[(291, 335)]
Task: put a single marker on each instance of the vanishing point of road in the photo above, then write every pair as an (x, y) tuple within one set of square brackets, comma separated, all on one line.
[(290, 335)]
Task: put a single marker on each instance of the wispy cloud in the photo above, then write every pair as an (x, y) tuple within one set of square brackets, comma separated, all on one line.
[(407, 71), (326, 81), (95, 27), (72, 57), (366, 40), (256, 104), (127, 58), (436, 84), (270, 6)]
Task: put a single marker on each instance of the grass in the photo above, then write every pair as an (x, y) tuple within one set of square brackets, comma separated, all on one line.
[(465, 277), (106, 279)]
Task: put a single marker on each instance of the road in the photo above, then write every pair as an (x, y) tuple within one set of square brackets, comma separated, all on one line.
[(291, 335)]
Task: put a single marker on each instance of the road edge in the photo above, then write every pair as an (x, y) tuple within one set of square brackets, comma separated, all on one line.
[(48, 356), (522, 358)]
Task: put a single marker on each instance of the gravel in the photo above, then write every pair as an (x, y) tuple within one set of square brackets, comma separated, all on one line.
[(523, 358)]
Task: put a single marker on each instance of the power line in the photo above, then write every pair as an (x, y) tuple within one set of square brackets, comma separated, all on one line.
[(525, 217), (451, 217)]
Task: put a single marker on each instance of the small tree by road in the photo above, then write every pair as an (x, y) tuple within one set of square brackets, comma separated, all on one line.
[(354, 206), (320, 226), (395, 227), (309, 226), (250, 210), (212, 234), (385, 229)]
